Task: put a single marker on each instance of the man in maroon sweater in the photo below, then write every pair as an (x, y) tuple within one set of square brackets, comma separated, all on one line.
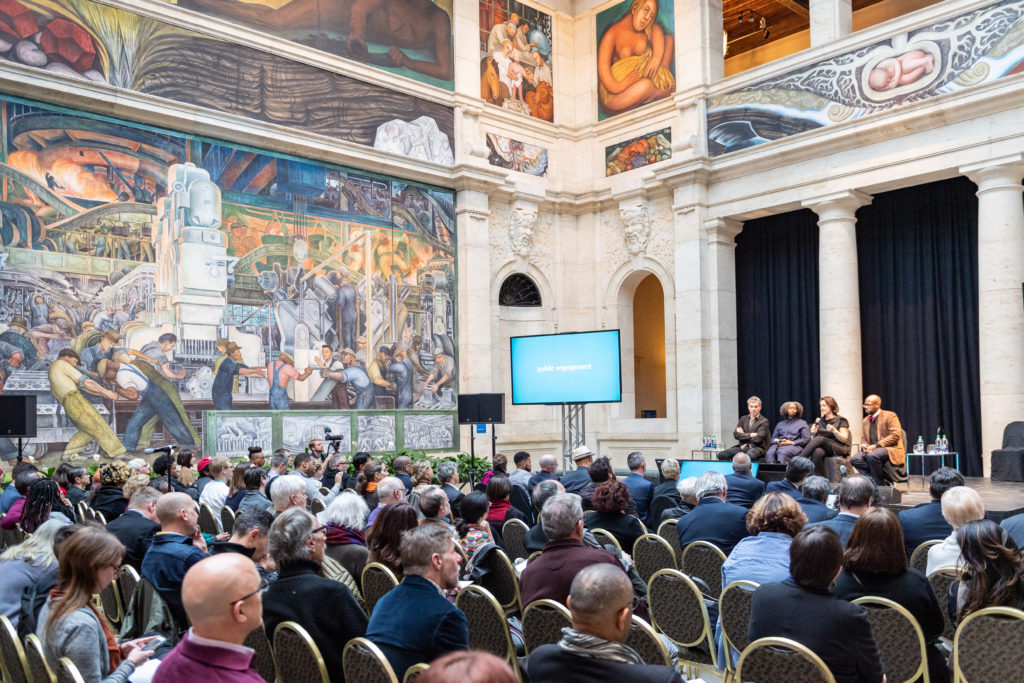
[(223, 597), (551, 574)]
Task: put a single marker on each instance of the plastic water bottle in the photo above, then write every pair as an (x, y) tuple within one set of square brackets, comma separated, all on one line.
[(704, 444), (714, 442), (919, 447), (945, 443)]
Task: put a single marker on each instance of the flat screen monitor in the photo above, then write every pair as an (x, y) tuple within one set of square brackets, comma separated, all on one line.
[(695, 468), (575, 367)]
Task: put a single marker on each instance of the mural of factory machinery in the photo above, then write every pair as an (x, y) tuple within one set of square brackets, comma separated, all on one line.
[(149, 277)]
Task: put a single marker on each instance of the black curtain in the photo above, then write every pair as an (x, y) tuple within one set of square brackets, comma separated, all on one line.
[(917, 250), (777, 313)]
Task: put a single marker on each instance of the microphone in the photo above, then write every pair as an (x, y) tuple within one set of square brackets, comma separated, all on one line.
[(161, 449)]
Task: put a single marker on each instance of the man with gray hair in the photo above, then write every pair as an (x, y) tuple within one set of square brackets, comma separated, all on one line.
[(551, 574), (535, 537), (390, 490), (414, 622), (548, 467), (434, 506), (856, 494), (279, 463), (324, 607), (448, 475), (815, 492), (289, 492), (713, 520), (594, 649), (137, 526), (640, 490), (687, 489), (139, 466), (744, 488), (751, 433), (248, 537), (665, 495)]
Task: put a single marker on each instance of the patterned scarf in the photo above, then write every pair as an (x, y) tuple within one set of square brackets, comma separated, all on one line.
[(338, 534), (586, 645), (371, 486)]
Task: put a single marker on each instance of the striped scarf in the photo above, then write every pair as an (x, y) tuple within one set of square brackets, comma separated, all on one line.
[(586, 645)]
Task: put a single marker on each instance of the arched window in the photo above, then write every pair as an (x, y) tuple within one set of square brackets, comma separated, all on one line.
[(518, 290)]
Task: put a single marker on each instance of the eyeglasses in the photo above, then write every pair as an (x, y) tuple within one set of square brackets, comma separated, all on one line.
[(319, 529), (264, 584)]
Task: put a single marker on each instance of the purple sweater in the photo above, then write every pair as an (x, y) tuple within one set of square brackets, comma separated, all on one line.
[(199, 659)]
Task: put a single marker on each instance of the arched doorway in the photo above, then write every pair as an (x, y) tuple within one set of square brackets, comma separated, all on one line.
[(649, 348)]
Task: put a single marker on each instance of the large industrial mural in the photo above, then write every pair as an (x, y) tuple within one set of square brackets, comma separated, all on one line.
[(148, 277), (408, 37), (515, 58), (635, 55), (86, 39), (944, 57)]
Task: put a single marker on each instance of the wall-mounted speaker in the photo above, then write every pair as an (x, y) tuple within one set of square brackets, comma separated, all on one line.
[(17, 416)]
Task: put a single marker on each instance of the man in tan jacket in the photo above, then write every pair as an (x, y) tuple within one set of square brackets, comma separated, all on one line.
[(882, 440)]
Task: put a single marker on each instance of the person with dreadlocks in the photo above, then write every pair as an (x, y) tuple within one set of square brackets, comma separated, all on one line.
[(45, 502)]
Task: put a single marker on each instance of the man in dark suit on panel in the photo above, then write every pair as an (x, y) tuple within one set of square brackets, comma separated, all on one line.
[(744, 488), (855, 496), (797, 469), (882, 440), (713, 520), (925, 522), (137, 526), (752, 433), (640, 490), (601, 601), (448, 475)]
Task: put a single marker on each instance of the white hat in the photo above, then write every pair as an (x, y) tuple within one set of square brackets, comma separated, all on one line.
[(581, 452)]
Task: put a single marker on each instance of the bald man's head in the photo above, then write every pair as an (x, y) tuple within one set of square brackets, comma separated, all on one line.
[(548, 463), (176, 512), (222, 597), (741, 462), (599, 598)]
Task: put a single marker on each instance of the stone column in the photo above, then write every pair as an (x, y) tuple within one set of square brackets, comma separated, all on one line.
[(830, 20), (1000, 312), (724, 377), (839, 353)]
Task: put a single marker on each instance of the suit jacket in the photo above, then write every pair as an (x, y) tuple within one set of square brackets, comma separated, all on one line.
[(642, 492), (455, 497), (406, 479), (538, 477), (784, 486), (759, 426), (576, 480), (815, 510), (835, 630), (1014, 526), (413, 623), (135, 531), (552, 663), (890, 436), (714, 521), (842, 524), (923, 523), (743, 489)]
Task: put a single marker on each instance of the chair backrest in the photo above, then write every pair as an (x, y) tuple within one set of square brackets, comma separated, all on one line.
[(297, 656), (264, 661), (533, 556), (1013, 435), (513, 533), (127, 585), (648, 645), (781, 660), (208, 523), (99, 518), (488, 629), (227, 518), (704, 560), (678, 610), (606, 538), (414, 672), (941, 579), (377, 580), (734, 611), (667, 530), (110, 603), (987, 646), (501, 580), (83, 510), (919, 558), (12, 655), (37, 665), (316, 506), (651, 553), (899, 637), (543, 621), (67, 672), (363, 661)]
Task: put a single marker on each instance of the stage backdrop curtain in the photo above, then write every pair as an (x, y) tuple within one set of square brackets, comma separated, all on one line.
[(777, 313), (917, 250)]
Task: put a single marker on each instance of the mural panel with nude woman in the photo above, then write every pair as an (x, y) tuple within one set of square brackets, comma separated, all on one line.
[(635, 55)]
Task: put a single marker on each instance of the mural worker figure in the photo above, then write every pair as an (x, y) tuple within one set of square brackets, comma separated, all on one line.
[(39, 312), (104, 320), (280, 372), (337, 392), (401, 371), (92, 355), (59, 329), (66, 385), (443, 374), (126, 314), (378, 368), (156, 354), (356, 376), (132, 384), (16, 333), (221, 346), (10, 357), (228, 369), (348, 316)]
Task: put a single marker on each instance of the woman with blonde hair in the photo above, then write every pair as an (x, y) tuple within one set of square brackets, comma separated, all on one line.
[(71, 626), (25, 564), (960, 505), (422, 476)]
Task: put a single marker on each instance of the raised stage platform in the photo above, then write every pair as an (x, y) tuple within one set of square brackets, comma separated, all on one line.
[(1002, 498)]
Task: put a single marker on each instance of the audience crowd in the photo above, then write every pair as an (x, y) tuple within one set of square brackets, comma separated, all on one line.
[(305, 527)]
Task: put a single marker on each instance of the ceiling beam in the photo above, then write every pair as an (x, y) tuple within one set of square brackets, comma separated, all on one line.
[(796, 7)]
